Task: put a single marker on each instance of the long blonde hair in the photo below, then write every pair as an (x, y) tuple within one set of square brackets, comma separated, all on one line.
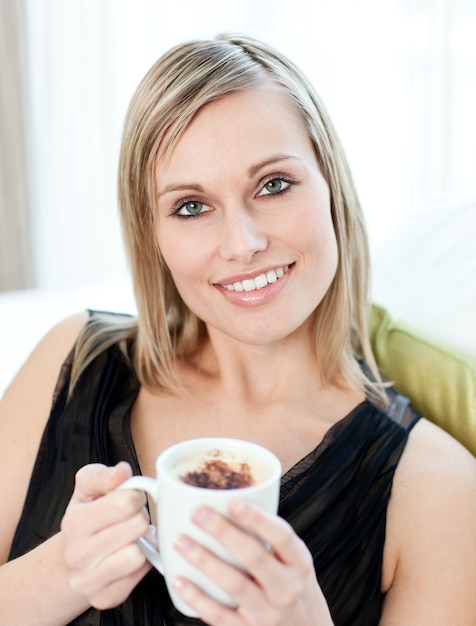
[(186, 78)]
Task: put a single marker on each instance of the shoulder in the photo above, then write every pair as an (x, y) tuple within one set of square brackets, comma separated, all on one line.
[(436, 476), (433, 460), (431, 529), (37, 377), (29, 395)]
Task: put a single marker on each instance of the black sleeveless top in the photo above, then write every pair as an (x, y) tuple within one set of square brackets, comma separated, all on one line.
[(335, 498)]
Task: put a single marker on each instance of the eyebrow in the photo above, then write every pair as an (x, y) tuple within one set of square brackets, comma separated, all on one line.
[(180, 187), (252, 171)]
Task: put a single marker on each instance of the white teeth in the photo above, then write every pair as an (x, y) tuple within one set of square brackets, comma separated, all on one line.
[(261, 281), (271, 276), (250, 284)]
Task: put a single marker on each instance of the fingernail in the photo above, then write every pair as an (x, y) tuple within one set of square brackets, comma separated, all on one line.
[(238, 508), (179, 584), (202, 516), (183, 544)]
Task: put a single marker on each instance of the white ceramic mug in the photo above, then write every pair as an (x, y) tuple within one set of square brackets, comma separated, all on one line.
[(175, 501)]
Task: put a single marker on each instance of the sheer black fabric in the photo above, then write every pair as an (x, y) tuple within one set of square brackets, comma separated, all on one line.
[(335, 498)]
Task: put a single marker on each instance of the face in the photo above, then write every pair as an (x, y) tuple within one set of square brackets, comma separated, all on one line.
[(244, 219)]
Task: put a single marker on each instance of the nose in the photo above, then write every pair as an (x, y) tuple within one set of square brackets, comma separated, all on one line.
[(241, 236)]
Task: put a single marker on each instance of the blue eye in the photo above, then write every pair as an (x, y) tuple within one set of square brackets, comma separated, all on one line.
[(274, 186), (190, 208)]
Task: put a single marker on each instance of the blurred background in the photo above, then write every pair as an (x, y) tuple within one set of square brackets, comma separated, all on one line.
[(399, 80)]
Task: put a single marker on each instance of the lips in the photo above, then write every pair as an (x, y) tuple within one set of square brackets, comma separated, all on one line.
[(258, 282)]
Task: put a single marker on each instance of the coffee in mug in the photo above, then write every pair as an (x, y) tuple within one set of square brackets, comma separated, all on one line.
[(212, 472)]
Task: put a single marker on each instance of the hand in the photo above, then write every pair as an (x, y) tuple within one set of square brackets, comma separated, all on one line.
[(279, 585), (100, 527)]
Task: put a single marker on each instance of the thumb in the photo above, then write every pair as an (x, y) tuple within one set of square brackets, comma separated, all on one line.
[(118, 474), (96, 480)]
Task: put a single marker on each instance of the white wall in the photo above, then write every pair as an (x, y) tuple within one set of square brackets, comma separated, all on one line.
[(396, 75)]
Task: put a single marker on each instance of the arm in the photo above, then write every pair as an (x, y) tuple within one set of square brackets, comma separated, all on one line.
[(94, 558), (24, 411), (34, 587), (432, 534)]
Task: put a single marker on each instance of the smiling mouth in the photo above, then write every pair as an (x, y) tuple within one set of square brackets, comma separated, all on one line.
[(260, 281)]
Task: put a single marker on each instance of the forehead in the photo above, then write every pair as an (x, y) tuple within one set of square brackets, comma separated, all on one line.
[(250, 122)]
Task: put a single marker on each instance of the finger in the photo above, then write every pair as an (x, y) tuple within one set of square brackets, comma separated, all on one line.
[(210, 612), (243, 542), (112, 568), (279, 536), (151, 536), (235, 582), (87, 518), (85, 553), (297, 602), (119, 590), (95, 480), (279, 580), (252, 553), (116, 536)]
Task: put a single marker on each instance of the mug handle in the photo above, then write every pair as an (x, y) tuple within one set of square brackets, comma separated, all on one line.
[(149, 485)]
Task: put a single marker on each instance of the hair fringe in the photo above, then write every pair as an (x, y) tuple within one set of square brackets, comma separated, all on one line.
[(102, 331)]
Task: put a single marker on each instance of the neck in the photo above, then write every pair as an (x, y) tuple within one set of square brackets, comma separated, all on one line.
[(277, 372)]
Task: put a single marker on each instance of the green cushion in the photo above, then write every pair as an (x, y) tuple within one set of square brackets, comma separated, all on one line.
[(440, 381)]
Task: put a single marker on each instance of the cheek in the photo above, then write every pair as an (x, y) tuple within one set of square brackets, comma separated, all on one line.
[(327, 242), (323, 256), (172, 261), (183, 258), (317, 236)]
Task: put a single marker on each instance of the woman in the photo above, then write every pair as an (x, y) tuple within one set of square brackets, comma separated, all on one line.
[(250, 266)]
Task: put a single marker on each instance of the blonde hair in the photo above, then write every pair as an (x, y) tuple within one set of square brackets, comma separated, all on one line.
[(186, 78)]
